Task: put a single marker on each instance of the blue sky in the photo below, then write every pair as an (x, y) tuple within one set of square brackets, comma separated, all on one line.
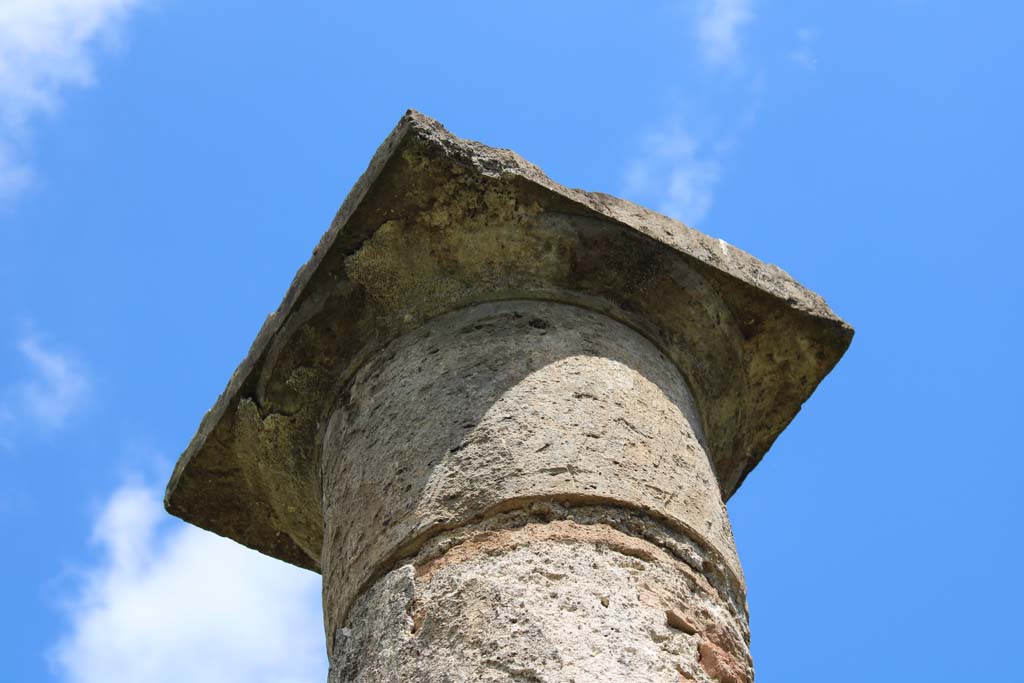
[(165, 167)]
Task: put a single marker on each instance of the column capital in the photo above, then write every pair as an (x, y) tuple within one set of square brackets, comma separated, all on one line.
[(438, 223)]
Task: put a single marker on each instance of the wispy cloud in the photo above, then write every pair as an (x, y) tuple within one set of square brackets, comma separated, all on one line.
[(56, 388), (675, 173), (679, 163), (45, 47), (719, 23), (804, 54), (170, 603)]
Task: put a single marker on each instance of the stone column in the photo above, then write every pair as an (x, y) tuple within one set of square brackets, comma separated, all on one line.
[(501, 417), (521, 491)]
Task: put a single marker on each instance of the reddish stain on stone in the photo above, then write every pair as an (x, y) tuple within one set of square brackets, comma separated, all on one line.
[(721, 665)]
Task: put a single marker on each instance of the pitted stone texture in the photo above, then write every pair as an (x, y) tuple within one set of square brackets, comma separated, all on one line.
[(629, 521), (554, 602), (492, 407), (438, 223)]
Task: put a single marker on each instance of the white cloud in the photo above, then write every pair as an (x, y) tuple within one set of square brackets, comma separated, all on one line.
[(58, 386), (804, 54), (676, 174), (171, 603), (677, 168), (45, 46), (718, 29)]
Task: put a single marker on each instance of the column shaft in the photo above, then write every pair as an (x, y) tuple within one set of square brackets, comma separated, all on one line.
[(521, 491)]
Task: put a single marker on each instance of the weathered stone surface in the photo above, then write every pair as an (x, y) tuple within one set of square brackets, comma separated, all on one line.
[(437, 224), (557, 602), (502, 417), (521, 490), (493, 407)]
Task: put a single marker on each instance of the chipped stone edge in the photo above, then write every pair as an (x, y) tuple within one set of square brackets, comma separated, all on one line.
[(495, 162)]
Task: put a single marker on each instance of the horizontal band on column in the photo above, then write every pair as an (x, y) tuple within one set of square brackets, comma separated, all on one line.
[(681, 543), (553, 592)]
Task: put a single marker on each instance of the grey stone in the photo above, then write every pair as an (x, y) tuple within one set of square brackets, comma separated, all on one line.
[(502, 418), (555, 601), (437, 224), (499, 404), (521, 490), (496, 406)]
